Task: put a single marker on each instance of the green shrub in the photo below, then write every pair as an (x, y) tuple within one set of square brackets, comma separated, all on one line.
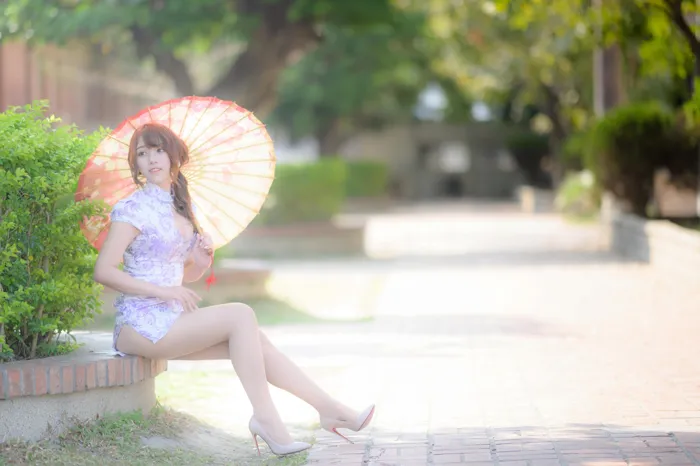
[(528, 150), (305, 192), (627, 146), (46, 264), (575, 149), (366, 178), (578, 195)]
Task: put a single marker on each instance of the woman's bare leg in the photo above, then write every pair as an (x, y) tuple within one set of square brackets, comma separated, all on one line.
[(207, 327), (286, 375)]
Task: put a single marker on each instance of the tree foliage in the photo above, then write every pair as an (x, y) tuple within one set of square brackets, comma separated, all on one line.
[(268, 34), (355, 80)]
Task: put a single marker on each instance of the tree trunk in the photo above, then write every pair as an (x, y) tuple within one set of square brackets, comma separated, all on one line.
[(330, 139), (552, 108), (608, 87), (252, 79)]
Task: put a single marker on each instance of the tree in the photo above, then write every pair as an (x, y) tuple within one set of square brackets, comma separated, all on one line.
[(518, 55), (270, 33), (355, 80)]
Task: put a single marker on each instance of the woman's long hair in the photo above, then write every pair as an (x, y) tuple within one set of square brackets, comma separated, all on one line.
[(157, 135)]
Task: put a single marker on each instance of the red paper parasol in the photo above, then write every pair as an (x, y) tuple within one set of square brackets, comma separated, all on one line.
[(231, 167)]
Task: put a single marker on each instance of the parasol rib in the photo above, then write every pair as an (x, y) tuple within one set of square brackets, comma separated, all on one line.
[(228, 107), (194, 151), (210, 156), (148, 109), (201, 115), (184, 119), (236, 201), (235, 162), (118, 140), (240, 188), (223, 211)]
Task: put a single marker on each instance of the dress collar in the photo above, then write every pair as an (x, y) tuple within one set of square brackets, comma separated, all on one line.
[(158, 193)]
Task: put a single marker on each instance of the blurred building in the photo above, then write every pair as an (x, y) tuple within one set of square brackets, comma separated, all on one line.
[(430, 160), (82, 85)]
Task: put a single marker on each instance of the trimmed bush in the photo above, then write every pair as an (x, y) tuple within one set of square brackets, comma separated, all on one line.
[(46, 264), (627, 146), (528, 150), (305, 192), (366, 178)]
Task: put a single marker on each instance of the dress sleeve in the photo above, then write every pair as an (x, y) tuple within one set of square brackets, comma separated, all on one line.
[(128, 211)]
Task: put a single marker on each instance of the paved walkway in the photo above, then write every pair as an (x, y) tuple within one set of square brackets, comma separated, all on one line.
[(503, 339)]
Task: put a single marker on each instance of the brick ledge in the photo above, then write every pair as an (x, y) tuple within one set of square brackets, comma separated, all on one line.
[(74, 373)]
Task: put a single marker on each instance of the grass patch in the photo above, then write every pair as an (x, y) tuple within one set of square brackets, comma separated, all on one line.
[(275, 312), (581, 219), (112, 440), (132, 438), (216, 398), (691, 223)]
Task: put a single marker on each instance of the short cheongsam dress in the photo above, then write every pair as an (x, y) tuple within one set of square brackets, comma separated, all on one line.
[(157, 255)]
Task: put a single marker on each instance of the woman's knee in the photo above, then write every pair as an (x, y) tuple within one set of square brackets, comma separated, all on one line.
[(241, 315)]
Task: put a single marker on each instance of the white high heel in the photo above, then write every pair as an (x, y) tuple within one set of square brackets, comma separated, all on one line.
[(257, 430), (356, 425)]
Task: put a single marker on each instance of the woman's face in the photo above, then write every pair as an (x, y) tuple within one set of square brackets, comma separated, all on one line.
[(153, 163)]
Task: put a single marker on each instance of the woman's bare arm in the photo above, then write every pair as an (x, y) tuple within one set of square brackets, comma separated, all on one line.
[(107, 272)]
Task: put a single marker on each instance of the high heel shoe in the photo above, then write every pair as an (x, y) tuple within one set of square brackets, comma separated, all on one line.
[(256, 430), (356, 425)]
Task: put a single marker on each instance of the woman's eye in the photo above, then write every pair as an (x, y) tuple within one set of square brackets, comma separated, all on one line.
[(140, 153), (160, 150)]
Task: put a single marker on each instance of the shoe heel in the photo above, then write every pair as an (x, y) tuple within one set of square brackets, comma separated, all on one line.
[(257, 447), (335, 431)]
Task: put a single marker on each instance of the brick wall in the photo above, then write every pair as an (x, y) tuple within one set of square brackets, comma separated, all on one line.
[(71, 373), (82, 88)]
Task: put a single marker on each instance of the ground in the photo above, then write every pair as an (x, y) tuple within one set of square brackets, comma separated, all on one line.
[(497, 338)]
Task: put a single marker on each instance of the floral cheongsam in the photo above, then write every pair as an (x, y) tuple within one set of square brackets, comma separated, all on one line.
[(157, 255)]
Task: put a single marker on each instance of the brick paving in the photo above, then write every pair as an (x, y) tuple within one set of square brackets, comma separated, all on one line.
[(533, 353), (500, 339)]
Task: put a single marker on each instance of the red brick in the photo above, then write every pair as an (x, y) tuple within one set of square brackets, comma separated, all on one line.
[(90, 376), (451, 458), (28, 376), (115, 372), (101, 373), (68, 379), (41, 382), (14, 379), (127, 372), (134, 369), (54, 380), (80, 381), (674, 459), (141, 363)]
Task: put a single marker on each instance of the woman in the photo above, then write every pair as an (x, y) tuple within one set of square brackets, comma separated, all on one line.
[(155, 233)]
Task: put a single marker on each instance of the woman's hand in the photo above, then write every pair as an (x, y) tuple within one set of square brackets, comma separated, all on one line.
[(185, 296), (203, 250)]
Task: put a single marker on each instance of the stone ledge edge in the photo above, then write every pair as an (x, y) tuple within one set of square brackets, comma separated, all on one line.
[(63, 375)]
